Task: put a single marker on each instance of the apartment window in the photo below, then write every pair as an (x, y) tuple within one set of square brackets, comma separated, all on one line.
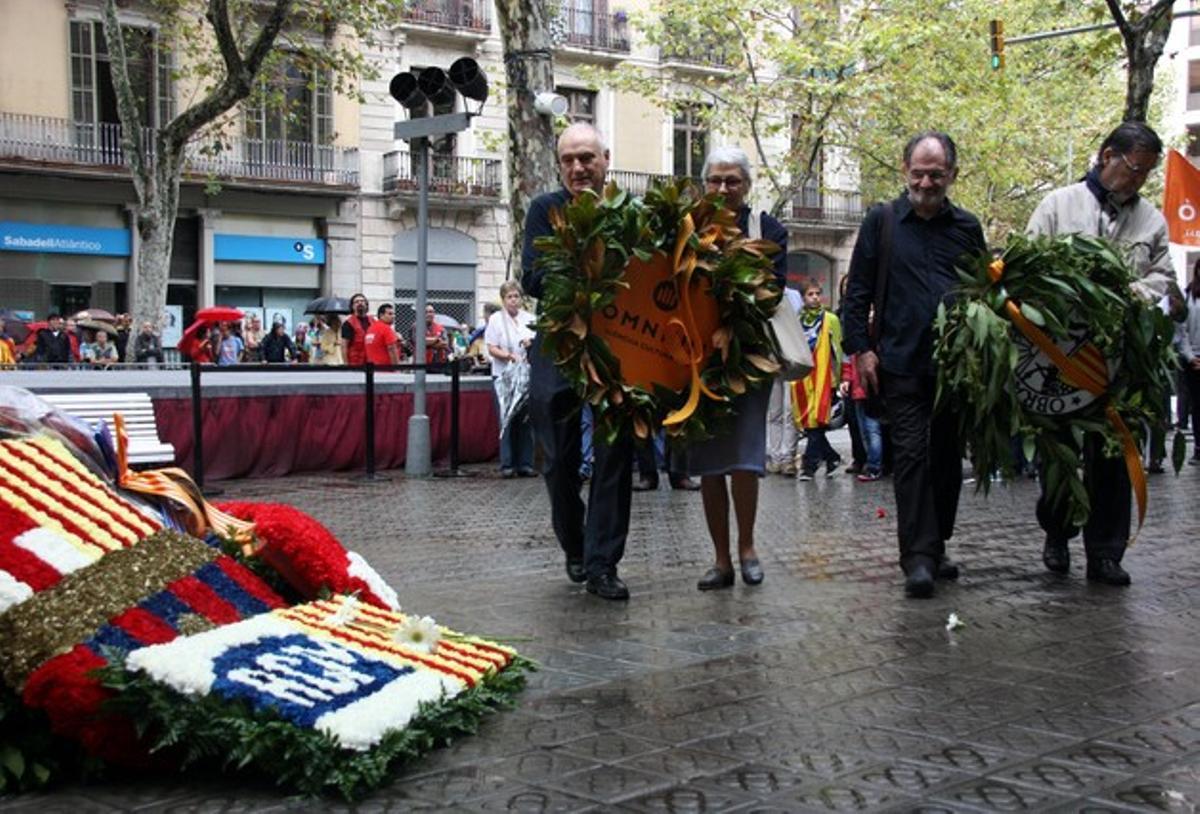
[(691, 141), (93, 98), (290, 120), (1193, 85), (581, 104), (1194, 25)]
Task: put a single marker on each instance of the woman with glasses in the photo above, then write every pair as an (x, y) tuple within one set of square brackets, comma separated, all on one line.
[(740, 455)]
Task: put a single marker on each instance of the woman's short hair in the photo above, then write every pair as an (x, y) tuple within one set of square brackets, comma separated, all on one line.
[(728, 155), (509, 286)]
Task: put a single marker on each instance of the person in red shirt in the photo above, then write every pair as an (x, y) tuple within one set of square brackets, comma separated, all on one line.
[(437, 344), (381, 343), (354, 331)]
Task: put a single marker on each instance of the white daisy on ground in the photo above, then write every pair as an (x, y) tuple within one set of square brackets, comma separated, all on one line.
[(420, 634)]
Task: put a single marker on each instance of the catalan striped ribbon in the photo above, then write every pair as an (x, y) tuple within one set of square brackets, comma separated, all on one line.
[(1086, 370), (173, 483)]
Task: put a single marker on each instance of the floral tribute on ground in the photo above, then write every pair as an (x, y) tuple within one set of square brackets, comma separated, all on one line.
[(125, 641)]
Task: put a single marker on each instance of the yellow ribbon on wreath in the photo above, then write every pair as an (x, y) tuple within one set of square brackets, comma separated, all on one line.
[(1086, 378)]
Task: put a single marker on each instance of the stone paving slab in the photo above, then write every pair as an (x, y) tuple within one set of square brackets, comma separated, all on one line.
[(823, 689)]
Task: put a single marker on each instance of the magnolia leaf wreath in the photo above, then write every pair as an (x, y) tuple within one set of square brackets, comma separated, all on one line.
[(1104, 369), (595, 248)]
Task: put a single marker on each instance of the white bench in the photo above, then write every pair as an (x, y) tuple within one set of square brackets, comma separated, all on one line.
[(138, 410)]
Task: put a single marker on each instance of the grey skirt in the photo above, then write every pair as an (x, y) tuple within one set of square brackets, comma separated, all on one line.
[(743, 448)]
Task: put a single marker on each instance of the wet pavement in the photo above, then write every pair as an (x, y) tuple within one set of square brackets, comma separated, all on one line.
[(823, 689)]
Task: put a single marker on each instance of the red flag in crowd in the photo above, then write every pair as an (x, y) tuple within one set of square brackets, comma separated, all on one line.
[(1181, 200)]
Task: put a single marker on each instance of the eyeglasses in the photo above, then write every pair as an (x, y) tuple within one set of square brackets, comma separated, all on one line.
[(1138, 169), (729, 181)]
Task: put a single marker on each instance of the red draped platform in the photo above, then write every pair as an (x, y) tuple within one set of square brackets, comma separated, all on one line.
[(278, 434)]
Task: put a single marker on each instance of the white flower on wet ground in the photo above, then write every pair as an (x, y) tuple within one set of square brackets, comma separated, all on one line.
[(953, 622)]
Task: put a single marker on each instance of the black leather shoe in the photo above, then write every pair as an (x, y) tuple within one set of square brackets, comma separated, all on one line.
[(1107, 571), (685, 483), (575, 571), (607, 586), (645, 484), (947, 569), (752, 573), (1057, 557), (919, 583), (715, 578)]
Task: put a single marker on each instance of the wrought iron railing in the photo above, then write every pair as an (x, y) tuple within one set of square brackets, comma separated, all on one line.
[(473, 15), (712, 56), (450, 175), (636, 183), (59, 141), (831, 207), (588, 28)]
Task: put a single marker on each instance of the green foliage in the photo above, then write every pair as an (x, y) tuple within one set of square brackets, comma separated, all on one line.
[(585, 258), (837, 81), (1060, 284), (217, 733), (30, 757)]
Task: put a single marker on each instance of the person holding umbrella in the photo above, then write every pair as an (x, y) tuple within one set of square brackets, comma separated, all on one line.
[(508, 337)]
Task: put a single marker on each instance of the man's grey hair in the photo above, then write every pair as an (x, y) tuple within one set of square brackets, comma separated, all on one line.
[(728, 155), (584, 127)]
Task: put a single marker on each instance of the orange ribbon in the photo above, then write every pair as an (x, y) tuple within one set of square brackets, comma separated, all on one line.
[(199, 516), (1089, 378), (685, 261)]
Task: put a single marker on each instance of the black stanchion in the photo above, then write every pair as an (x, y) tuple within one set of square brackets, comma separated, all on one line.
[(454, 370), (369, 472), (198, 434)]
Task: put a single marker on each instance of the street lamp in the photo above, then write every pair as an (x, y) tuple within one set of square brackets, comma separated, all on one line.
[(414, 93)]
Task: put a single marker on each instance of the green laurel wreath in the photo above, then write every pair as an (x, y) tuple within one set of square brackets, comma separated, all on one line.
[(1056, 282), (584, 259)]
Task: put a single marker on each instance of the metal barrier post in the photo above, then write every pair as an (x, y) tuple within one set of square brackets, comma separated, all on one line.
[(369, 472), (197, 429), (454, 370)]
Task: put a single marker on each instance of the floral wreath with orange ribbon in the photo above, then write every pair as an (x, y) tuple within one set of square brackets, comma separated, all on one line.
[(1069, 300), (721, 291)]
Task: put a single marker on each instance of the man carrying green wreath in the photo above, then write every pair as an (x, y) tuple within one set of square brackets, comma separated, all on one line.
[(1106, 204), (592, 537)]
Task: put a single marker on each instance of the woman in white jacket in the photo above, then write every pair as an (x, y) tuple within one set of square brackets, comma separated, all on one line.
[(508, 337)]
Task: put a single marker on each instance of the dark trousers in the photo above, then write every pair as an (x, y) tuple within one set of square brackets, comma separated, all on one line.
[(1107, 483), (1192, 380), (817, 449), (927, 469), (594, 533)]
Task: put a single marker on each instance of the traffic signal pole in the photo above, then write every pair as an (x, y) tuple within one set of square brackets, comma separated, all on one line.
[(999, 41)]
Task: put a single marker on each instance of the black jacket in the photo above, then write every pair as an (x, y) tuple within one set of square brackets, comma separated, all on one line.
[(921, 275), (53, 349)]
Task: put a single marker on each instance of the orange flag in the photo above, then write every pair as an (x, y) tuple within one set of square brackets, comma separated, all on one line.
[(1181, 200)]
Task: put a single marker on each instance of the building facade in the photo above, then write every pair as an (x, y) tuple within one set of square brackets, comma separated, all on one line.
[(322, 201)]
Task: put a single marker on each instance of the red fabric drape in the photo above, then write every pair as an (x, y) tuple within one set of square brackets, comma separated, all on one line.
[(270, 436)]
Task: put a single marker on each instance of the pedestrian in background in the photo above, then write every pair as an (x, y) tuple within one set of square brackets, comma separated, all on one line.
[(812, 396), (509, 337)]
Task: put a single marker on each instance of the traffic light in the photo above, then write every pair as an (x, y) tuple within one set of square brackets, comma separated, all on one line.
[(997, 30)]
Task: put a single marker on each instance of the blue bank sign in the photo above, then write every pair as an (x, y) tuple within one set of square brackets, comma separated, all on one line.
[(56, 239), (255, 249)]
